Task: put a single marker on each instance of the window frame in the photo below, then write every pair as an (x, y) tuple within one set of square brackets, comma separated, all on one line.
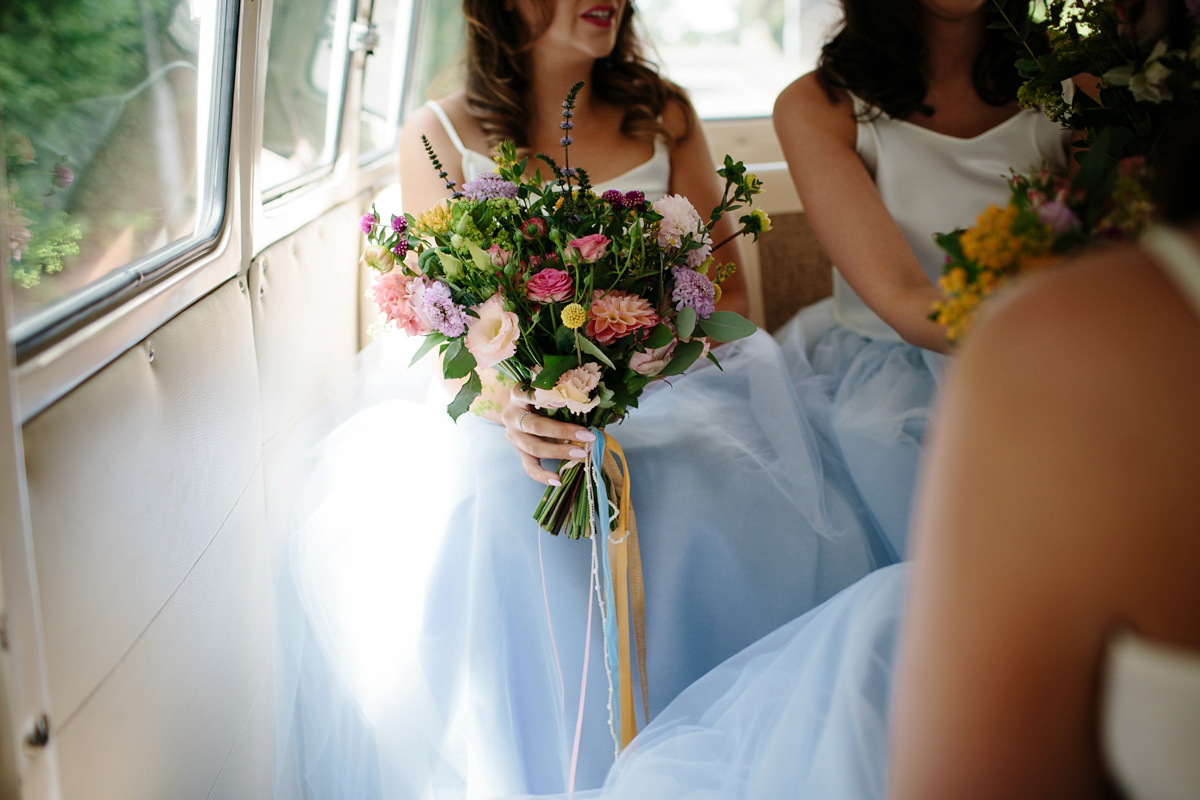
[(408, 17), (55, 322), (335, 119)]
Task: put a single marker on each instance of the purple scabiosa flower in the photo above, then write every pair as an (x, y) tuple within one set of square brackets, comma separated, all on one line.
[(693, 290), (63, 176), (1058, 217), (400, 249), (368, 222), (614, 198), (399, 224), (440, 311), (489, 185)]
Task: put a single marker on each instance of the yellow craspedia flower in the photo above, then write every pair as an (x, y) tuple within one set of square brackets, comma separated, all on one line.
[(435, 220), (573, 316)]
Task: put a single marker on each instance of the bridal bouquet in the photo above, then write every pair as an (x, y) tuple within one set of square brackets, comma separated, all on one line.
[(1131, 87), (582, 298)]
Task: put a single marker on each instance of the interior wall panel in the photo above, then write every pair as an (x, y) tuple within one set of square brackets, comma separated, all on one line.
[(130, 477), (304, 291), (163, 724)]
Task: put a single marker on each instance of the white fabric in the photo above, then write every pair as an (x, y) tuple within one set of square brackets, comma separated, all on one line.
[(1151, 723), (652, 177), (906, 161)]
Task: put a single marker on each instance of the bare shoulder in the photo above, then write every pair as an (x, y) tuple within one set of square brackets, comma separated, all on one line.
[(680, 120), (804, 107), (425, 122), (1097, 317)]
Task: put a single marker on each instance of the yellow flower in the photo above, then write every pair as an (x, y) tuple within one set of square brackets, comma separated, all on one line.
[(574, 316), (764, 221), (435, 220), (717, 293)]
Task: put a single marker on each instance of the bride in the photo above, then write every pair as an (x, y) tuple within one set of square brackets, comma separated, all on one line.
[(435, 639)]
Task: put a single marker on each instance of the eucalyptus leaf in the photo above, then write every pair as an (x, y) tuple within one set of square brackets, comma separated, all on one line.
[(685, 355), (660, 336), (589, 347), (726, 326), (552, 370), (685, 323)]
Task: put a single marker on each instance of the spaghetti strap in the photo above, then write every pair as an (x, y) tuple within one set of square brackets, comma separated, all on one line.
[(448, 126), (1178, 256)]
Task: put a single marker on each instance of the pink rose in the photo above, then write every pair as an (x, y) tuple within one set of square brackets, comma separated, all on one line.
[(394, 298), (500, 256), (492, 336), (589, 248), (534, 228), (652, 362), (573, 390), (549, 286)]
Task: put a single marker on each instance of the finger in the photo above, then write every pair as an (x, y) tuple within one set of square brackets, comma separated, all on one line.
[(544, 448), (535, 470), (548, 428), (521, 398)]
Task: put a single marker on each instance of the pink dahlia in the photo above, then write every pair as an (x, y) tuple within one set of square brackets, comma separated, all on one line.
[(395, 301), (549, 286), (615, 314)]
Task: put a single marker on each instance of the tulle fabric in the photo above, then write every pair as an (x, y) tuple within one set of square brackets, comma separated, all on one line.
[(870, 401), (419, 654), (802, 713)]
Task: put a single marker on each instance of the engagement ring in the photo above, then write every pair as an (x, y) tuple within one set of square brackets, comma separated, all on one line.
[(521, 422)]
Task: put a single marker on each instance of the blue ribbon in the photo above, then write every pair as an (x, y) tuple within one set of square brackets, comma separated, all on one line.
[(604, 525)]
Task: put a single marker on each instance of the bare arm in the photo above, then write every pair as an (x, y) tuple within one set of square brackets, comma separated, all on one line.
[(419, 182), (1048, 511), (693, 175), (846, 213)]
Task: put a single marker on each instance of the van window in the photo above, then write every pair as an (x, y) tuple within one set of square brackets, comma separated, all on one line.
[(383, 76), (438, 48), (306, 75), (115, 120), (735, 56)]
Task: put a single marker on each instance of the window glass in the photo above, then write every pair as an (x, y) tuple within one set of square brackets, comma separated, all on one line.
[(735, 56), (306, 67), (109, 114), (437, 68), (380, 114)]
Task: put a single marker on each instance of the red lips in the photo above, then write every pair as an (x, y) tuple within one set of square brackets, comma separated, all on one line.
[(600, 16)]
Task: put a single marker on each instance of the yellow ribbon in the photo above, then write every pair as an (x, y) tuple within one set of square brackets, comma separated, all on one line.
[(628, 589)]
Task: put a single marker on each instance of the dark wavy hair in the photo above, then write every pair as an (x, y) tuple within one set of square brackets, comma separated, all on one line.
[(497, 70), (879, 55)]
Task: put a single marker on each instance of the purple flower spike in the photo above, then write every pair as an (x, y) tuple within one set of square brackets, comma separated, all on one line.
[(399, 224), (566, 140), (565, 125)]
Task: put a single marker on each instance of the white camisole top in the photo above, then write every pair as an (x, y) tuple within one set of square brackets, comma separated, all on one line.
[(1151, 703), (933, 183), (652, 177)]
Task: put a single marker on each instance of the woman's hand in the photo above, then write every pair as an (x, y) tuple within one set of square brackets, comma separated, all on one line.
[(537, 437)]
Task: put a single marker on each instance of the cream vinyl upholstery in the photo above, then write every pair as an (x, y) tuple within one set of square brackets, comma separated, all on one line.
[(148, 494)]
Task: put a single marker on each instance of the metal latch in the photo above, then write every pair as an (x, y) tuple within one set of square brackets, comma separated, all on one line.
[(363, 36)]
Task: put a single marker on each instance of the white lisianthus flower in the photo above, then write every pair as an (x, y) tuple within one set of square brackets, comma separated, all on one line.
[(1148, 84)]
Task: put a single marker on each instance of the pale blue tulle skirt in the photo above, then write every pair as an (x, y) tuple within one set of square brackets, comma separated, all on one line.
[(869, 402), (416, 655), (802, 713)]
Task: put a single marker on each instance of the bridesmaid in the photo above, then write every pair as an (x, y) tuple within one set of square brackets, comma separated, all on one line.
[(907, 128)]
